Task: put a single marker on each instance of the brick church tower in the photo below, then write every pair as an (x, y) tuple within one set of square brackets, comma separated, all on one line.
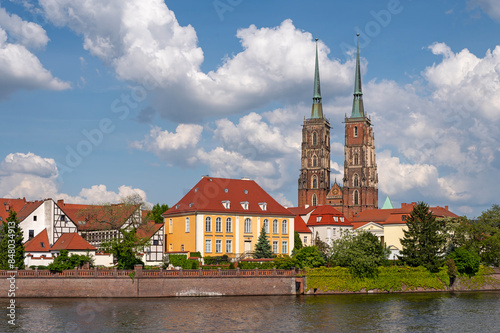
[(314, 180), (360, 184)]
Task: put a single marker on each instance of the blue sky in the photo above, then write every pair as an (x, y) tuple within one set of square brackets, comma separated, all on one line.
[(103, 99)]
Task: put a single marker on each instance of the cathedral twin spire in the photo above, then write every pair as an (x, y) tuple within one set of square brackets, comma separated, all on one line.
[(358, 110)]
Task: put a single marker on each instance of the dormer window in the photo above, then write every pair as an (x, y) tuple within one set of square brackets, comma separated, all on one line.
[(226, 204), (226, 190), (244, 204), (341, 219), (245, 191), (318, 219), (195, 189), (176, 206), (191, 204), (403, 218), (42, 244), (263, 205), (335, 218)]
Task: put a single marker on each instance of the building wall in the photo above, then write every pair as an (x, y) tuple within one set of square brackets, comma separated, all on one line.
[(196, 239), (328, 233), (44, 220), (306, 238), (392, 235)]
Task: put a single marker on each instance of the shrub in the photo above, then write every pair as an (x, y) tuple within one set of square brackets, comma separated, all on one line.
[(466, 262), (253, 265), (284, 261), (195, 254), (310, 256)]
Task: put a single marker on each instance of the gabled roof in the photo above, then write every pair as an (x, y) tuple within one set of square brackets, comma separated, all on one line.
[(301, 210), (327, 215), (39, 243), (147, 230), (396, 215), (22, 207), (97, 217), (300, 226), (71, 241), (230, 196)]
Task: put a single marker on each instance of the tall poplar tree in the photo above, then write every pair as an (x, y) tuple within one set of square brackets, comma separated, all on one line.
[(263, 247), (424, 241), (11, 233)]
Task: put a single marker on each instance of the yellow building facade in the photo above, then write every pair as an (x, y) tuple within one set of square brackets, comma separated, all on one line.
[(225, 217)]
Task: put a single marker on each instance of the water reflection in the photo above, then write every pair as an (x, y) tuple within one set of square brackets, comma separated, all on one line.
[(434, 312)]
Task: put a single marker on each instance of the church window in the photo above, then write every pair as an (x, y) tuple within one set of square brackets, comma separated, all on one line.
[(315, 182), (315, 161), (314, 200), (356, 180), (355, 131), (356, 159), (315, 138), (356, 198)]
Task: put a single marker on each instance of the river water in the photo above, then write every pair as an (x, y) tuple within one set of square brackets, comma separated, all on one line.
[(422, 312)]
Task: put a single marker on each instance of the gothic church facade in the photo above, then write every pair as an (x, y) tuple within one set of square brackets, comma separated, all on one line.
[(359, 190)]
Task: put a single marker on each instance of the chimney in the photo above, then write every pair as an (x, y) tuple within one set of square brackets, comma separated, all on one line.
[(446, 207), (60, 202)]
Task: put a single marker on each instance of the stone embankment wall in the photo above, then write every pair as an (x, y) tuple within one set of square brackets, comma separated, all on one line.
[(150, 284)]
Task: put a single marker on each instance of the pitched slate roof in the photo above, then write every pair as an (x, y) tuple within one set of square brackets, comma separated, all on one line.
[(96, 217), (300, 226), (210, 194), (72, 241), (328, 215), (39, 243)]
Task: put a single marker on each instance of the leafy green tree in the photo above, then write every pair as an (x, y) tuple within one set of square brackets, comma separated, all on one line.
[(361, 252), (64, 261), (297, 242), (424, 241), (284, 261), (155, 213), (11, 243), (466, 262), (310, 256), (263, 247), (323, 247), (126, 249)]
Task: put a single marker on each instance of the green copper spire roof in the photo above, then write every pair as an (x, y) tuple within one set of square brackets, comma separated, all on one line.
[(317, 108), (387, 203), (358, 110)]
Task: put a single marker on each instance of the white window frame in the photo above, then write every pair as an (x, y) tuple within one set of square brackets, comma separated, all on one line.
[(218, 246), (208, 245), (284, 247), (218, 224), (275, 246), (229, 246), (229, 225), (284, 227), (275, 226), (208, 224), (265, 224), (187, 226), (248, 226)]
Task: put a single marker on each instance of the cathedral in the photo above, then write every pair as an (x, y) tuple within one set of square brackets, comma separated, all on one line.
[(359, 190)]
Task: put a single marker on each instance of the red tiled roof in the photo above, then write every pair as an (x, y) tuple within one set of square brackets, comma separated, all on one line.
[(301, 210), (327, 214), (395, 216), (209, 194), (147, 230), (22, 207), (72, 241), (35, 244), (300, 225), (97, 217)]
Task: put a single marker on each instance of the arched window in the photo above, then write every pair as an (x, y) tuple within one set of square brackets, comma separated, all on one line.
[(275, 226), (315, 161), (356, 159), (248, 226), (315, 182), (208, 224), (355, 131), (356, 180), (315, 138), (356, 198), (314, 200), (265, 225), (284, 227), (229, 225), (218, 224)]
